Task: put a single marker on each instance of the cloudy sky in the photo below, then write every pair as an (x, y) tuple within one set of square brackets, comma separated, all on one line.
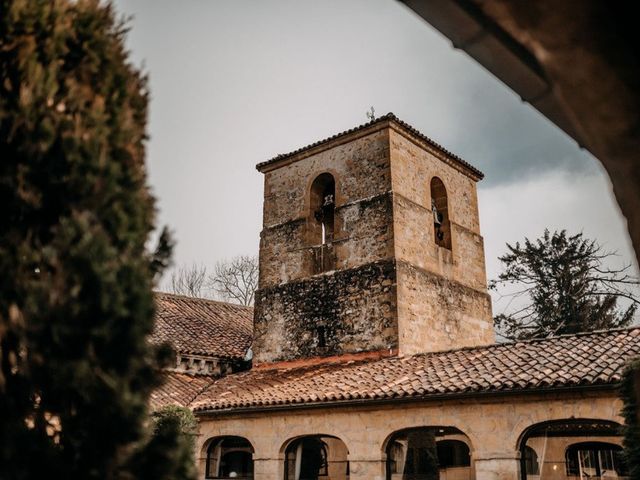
[(236, 82)]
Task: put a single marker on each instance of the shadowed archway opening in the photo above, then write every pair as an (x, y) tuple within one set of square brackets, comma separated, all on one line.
[(322, 203), (316, 457), (440, 210), (573, 449), (429, 453), (229, 457), (321, 222)]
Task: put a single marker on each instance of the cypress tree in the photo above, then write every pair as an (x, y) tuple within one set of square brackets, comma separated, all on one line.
[(76, 278)]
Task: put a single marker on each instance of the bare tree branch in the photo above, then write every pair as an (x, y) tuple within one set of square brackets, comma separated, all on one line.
[(236, 280), (190, 281)]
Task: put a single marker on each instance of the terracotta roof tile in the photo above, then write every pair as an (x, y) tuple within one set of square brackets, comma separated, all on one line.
[(388, 117), (595, 358), (203, 327), (179, 389)]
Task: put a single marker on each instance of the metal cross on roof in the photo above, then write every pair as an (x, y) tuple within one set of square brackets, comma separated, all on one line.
[(371, 114)]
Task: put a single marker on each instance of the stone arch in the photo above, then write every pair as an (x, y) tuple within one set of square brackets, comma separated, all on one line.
[(321, 222), (602, 457), (551, 439), (439, 203), (322, 202), (339, 199), (417, 450), (228, 456), (309, 457)]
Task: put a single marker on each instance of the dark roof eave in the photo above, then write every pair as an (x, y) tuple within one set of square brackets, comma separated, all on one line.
[(212, 412), (389, 117), (210, 355)]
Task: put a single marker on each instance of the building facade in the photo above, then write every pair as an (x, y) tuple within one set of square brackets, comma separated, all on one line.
[(374, 354)]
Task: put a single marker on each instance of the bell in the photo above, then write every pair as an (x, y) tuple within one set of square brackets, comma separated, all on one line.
[(437, 216)]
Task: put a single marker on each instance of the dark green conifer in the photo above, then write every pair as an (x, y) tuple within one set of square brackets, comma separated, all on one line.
[(562, 284), (76, 301)]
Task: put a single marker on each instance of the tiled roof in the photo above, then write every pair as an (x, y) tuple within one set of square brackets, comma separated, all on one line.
[(203, 327), (388, 117), (590, 359), (179, 389)]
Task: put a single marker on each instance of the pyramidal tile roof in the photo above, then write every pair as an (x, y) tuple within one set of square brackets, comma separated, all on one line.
[(389, 117), (203, 327), (590, 359)]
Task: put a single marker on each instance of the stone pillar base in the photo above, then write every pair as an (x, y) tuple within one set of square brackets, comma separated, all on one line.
[(498, 467), (268, 469), (367, 469)]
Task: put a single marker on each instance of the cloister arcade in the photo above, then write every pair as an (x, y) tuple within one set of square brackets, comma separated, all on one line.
[(564, 448), (414, 453)]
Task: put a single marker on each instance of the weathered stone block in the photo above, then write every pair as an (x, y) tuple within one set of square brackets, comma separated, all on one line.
[(327, 314)]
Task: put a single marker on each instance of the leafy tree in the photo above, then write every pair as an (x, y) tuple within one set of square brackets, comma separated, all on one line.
[(76, 301), (631, 396), (562, 286)]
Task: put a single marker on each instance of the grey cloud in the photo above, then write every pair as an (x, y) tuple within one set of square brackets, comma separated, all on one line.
[(237, 82)]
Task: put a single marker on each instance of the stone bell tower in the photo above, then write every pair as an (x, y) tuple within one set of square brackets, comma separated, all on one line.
[(370, 242)]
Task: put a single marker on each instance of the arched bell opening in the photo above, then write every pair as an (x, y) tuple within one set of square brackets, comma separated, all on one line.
[(316, 457), (440, 211), (323, 205), (572, 449), (321, 222), (429, 453)]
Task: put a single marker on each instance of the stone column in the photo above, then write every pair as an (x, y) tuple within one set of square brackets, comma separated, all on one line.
[(200, 455), (498, 466), (267, 468), (366, 469), (201, 465)]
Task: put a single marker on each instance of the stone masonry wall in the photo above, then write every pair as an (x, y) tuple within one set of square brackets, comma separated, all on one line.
[(412, 168), (442, 294), (361, 171), (435, 313), (366, 236), (414, 243), (367, 231), (355, 310)]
